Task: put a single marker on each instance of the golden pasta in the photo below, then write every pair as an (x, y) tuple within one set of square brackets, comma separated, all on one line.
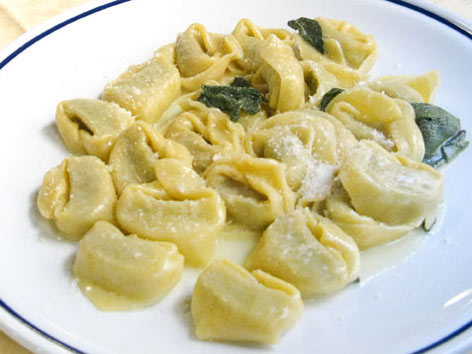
[(177, 208), (136, 151), (76, 194), (265, 132), (91, 126), (230, 303), (308, 251), (140, 271)]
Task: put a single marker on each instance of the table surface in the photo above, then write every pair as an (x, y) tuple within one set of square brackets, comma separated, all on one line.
[(18, 16)]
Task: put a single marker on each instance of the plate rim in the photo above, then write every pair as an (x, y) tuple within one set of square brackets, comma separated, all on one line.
[(34, 338)]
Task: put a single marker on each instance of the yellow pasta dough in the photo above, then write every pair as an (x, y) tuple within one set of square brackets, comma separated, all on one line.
[(255, 190), (202, 56), (231, 304), (366, 231), (281, 75), (300, 140), (146, 90), (207, 134), (136, 151), (177, 208), (253, 42), (76, 194), (375, 116), (320, 78), (348, 57), (90, 126), (390, 188), (411, 88), (261, 135), (308, 251), (344, 45), (138, 272)]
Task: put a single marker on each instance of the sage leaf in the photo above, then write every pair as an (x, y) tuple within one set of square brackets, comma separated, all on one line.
[(328, 96), (428, 225), (310, 30), (233, 99), (442, 134), (240, 82)]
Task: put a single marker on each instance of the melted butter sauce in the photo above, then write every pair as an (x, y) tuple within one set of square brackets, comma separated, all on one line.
[(236, 242), (106, 300), (375, 261)]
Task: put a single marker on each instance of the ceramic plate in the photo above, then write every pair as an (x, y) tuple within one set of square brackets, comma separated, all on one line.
[(414, 295)]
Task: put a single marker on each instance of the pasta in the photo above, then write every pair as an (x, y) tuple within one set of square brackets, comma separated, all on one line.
[(366, 231), (203, 56), (91, 126), (255, 190), (308, 251), (230, 303), (141, 271), (375, 116), (344, 45), (392, 189), (265, 132), (421, 88), (177, 207), (136, 151), (206, 134), (146, 90), (280, 75), (253, 41), (76, 194)]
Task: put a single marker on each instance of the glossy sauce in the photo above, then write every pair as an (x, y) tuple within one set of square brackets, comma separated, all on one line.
[(376, 260), (107, 300), (236, 242)]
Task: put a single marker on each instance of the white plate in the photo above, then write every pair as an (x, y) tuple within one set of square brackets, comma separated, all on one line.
[(415, 294)]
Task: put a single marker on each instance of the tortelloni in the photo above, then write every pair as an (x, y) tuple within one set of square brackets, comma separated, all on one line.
[(231, 304), (281, 75), (208, 134), (421, 88), (76, 194), (255, 190), (119, 272), (146, 90), (136, 151), (253, 43), (177, 208), (309, 251), (390, 188), (202, 56), (261, 145), (311, 144), (90, 126), (348, 57), (344, 45), (366, 231), (319, 80), (375, 116)]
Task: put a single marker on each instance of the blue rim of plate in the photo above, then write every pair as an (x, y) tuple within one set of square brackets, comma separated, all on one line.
[(35, 39)]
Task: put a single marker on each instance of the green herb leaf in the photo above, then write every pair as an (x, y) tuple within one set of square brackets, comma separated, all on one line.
[(232, 99), (442, 134), (356, 281), (310, 30), (328, 96), (427, 225), (240, 82)]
